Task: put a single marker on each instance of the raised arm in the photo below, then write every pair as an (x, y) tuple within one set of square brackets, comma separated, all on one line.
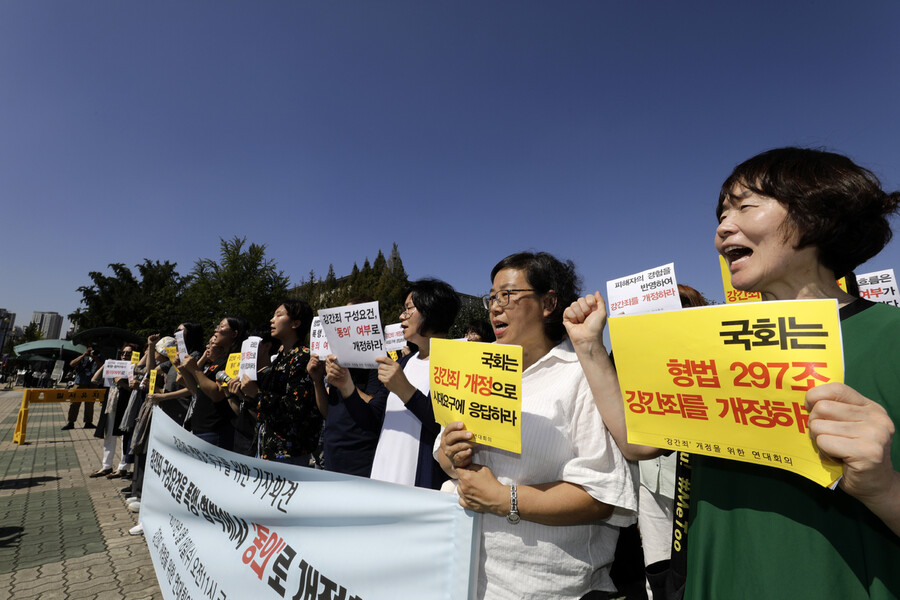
[(585, 320)]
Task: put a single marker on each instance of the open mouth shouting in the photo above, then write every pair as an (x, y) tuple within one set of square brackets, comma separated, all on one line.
[(735, 255)]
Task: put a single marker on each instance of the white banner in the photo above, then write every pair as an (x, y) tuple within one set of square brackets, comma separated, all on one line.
[(652, 290), (318, 343), (116, 369), (249, 356), (393, 337), (182, 347), (354, 334), (879, 286), (223, 525)]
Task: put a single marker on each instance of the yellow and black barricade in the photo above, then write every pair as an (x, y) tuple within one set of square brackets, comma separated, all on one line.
[(52, 395)]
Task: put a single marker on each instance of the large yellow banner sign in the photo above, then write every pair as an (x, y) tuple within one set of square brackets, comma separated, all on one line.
[(480, 385), (730, 381)]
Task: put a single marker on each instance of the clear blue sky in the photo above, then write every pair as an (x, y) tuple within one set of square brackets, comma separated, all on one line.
[(464, 131)]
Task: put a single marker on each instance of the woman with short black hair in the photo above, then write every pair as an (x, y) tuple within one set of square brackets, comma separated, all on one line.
[(791, 221), (288, 420), (401, 406)]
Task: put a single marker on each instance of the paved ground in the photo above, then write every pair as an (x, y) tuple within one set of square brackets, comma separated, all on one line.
[(62, 534)]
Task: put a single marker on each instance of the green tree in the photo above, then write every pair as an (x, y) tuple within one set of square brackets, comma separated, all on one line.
[(143, 305), (243, 282), (472, 309)]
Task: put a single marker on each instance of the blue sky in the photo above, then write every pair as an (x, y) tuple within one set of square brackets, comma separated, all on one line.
[(463, 131)]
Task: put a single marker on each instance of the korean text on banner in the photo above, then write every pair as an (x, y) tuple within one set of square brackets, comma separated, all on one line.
[(115, 369), (733, 296), (354, 334), (151, 384), (249, 356), (879, 286), (652, 290), (223, 525), (135, 357), (480, 385), (730, 381), (318, 343)]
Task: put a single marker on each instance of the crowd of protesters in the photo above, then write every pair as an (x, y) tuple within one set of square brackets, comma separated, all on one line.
[(791, 221)]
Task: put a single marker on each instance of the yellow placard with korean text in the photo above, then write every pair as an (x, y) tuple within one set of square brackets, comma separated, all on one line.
[(135, 357), (172, 353), (151, 385), (733, 295), (480, 385), (233, 366), (730, 381)]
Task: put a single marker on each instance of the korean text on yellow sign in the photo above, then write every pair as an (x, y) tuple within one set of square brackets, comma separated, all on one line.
[(233, 366), (480, 385), (733, 295), (730, 381)]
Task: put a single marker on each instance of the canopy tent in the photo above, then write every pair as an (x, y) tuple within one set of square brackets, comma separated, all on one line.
[(49, 349)]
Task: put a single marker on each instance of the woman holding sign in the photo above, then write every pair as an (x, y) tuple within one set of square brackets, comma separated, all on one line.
[(551, 513), (401, 406), (288, 421), (209, 416), (791, 221)]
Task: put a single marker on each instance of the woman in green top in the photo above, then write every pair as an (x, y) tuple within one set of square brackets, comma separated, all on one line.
[(792, 221)]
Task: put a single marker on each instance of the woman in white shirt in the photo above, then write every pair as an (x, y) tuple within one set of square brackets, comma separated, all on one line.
[(401, 407), (551, 513)]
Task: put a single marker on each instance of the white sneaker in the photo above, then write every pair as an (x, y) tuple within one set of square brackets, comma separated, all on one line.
[(135, 506), (132, 499), (137, 529)]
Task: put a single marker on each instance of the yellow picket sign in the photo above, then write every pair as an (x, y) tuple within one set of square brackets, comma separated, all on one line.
[(733, 295), (480, 385), (151, 387), (135, 357), (233, 366), (172, 353), (730, 381)]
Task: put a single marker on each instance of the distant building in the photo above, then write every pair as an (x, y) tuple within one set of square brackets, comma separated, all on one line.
[(50, 324), (7, 325)]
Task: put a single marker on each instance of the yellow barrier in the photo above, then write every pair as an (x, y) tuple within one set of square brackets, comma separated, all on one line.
[(52, 395)]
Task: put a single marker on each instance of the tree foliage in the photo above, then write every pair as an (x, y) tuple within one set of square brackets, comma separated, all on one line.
[(243, 283), (384, 280), (472, 309), (143, 305)]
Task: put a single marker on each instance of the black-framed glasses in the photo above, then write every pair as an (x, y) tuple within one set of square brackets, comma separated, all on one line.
[(501, 297)]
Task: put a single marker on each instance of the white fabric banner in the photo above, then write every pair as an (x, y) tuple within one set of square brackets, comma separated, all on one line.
[(222, 525)]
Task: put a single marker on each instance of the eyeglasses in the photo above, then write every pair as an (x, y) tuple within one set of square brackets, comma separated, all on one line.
[(501, 297), (407, 310)]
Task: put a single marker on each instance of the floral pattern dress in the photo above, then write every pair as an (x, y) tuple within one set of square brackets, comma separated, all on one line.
[(289, 420)]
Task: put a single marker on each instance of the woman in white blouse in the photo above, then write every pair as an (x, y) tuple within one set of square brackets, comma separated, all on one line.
[(551, 513)]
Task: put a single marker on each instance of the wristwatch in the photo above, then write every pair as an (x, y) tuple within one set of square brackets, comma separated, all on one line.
[(513, 516)]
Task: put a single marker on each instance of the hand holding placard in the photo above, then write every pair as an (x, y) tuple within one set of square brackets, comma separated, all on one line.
[(856, 432)]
